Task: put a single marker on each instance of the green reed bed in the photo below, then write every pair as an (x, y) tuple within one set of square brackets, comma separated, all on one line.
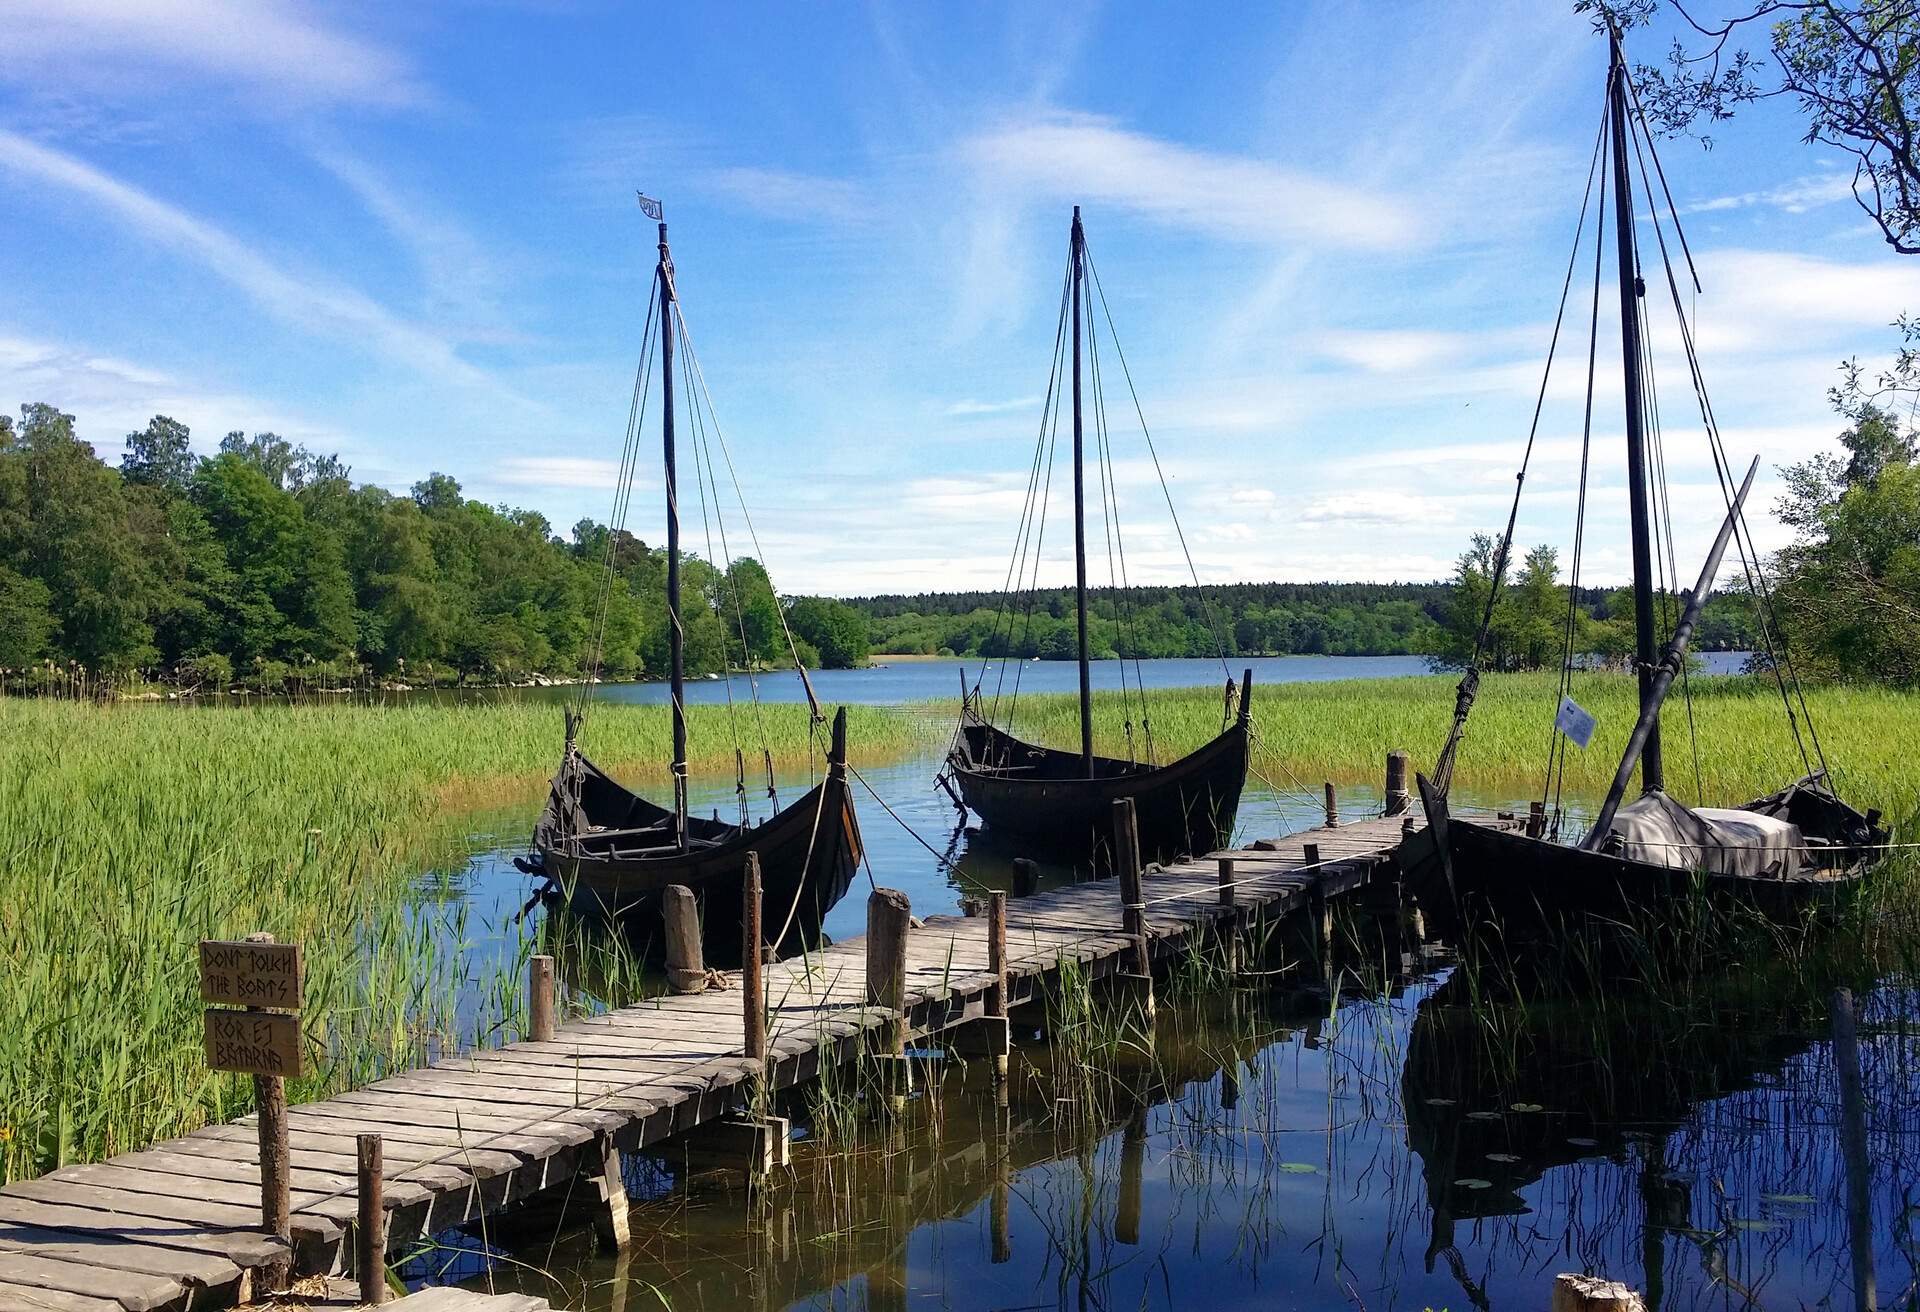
[(129, 833), (1343, 730)]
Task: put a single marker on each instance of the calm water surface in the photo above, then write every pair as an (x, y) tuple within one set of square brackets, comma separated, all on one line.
[(1394, 1149)]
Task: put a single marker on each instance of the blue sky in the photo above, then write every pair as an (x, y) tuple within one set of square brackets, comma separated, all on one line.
[(1332, 235)]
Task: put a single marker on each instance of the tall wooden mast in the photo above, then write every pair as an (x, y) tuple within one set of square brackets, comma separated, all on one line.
[(1077, 244), (676, 636), (1646, 653)]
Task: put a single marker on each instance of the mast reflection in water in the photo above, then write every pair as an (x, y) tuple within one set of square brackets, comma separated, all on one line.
[(1415, 1146)]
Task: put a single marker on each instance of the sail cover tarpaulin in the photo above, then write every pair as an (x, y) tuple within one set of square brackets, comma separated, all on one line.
[(1660, 831)]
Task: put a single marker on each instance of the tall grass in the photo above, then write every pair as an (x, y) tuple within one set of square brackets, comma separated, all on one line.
[(1343, 730), (128, 833)]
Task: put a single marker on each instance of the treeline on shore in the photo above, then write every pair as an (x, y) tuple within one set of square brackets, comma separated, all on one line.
[(267, 564)]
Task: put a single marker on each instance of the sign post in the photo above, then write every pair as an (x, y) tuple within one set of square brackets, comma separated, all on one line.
[(263, 1040)]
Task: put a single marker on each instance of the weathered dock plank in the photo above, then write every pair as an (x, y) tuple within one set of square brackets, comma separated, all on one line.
[(175, 1226)]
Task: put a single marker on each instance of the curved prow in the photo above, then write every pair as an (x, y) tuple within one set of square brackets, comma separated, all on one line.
[(837, 753), (1246, 696)]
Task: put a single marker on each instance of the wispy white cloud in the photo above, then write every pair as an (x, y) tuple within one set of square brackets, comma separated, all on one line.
[(1795, 197), (110, 397), (1237, 197), (785, 194), (557, 472), (277, 50), (462, 279), (963, 409), (305, 302)]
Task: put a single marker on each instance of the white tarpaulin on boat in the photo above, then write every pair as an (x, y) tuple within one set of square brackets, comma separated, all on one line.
[(1661, 832)]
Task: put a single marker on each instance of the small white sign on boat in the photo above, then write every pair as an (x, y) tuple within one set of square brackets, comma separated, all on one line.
[(1575, 721)]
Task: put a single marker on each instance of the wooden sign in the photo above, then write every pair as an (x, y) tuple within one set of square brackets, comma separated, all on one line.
[(254, 1042), (252, 974)]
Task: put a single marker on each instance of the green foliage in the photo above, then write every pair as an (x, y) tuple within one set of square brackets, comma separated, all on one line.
[(1849, 588), (834, 629), (128, 833), (268, 557)]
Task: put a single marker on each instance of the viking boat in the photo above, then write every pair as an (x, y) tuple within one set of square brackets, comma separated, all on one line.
[(1797, 847), (1058, 802), (611, 852)]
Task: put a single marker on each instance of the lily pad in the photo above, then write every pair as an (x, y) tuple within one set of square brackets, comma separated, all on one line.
[(1525, 1107), (1758, 1223), (1502, 1157), (1579, 1142), (1788, 1200), (1299, 1168), (1484, 1116), (1473, 1182), (1439, 1102)]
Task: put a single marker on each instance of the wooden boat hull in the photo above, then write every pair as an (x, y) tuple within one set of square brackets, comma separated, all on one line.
[(808, 853), (1472, 879), (1042, 797)]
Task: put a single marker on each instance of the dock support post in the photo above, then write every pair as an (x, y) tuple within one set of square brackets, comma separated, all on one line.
[(1026, 877), (1133, 911), (1319, 916), (370, 1222), (889, 917), (997, 966), (1230, 922), (540, 999), (1333, 807), (753, 989), (276, 1164), (686, 963), (610, 1223), (1397, 797), (1536, 819)]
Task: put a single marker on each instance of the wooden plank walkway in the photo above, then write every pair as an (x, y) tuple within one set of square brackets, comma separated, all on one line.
[(175, 1226)]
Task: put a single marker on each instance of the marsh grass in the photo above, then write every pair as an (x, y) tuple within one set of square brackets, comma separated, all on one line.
[(128, 833), (1343, 730)]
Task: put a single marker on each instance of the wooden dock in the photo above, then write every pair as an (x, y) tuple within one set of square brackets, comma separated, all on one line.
[(176, 1226)]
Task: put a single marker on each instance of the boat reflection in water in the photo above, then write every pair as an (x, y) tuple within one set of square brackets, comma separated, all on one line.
[(1395, 1151)]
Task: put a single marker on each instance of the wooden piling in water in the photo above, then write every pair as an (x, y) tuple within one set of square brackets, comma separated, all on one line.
[(1397, 798), (686, 959), (1026, 877), (370, 1221), (1333, 807), (540, 999)]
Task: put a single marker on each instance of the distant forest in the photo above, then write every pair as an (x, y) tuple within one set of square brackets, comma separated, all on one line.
[(1436, 620), (265, 565)]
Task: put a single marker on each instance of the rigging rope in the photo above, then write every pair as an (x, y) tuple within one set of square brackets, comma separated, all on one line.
[(1470, 681), (1557, 741), (622, 496), (1779, 661)]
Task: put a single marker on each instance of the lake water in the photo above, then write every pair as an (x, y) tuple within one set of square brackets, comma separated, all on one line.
[(1396, 1149), (893, 682)]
